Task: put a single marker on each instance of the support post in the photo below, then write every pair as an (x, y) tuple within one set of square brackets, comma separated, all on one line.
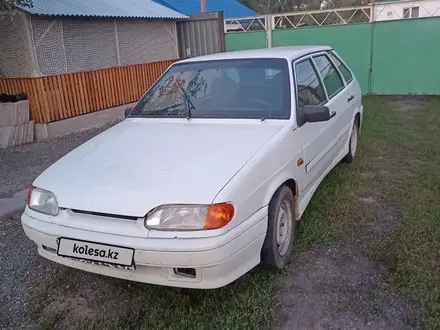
[(269, 28)]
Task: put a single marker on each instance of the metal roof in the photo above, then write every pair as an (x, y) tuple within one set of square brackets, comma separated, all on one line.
[(103, 8), (230, 8)]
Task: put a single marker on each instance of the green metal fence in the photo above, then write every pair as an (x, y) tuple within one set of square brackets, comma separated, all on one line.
[(390, 58)]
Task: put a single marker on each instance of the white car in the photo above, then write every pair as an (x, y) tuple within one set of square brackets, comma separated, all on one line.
[(208, 174)]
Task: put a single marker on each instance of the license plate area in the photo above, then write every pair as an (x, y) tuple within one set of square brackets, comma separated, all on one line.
[(96, 253)]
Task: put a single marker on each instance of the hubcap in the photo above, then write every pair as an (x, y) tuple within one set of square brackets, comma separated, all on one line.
[(284, 227), (353, 140)]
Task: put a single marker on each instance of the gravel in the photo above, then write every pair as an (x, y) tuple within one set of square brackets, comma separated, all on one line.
[(19, 166), (338, 287), (24, 276)]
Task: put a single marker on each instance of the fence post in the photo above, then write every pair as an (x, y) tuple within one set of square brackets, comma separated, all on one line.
[(269, 27)]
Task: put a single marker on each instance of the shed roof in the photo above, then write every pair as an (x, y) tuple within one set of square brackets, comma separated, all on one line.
[(230, 8), (103, 8)]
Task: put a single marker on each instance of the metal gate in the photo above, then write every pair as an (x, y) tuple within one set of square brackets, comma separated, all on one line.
[(201, 34)]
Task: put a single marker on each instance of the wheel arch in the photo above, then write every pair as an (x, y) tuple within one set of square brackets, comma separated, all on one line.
[(292, 184)]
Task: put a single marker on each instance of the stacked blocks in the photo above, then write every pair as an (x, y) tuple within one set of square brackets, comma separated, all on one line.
[(15, 127)]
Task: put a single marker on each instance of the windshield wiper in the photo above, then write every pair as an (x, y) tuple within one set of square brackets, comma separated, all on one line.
[(188, 103)]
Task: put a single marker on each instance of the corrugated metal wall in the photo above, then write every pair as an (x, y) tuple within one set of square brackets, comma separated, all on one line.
[(202, 34)]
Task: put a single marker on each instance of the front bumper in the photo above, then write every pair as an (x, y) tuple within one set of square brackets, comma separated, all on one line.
[(217, 260)]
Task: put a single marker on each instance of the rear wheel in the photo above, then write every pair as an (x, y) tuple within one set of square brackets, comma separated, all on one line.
[(281, 230), (353, 145)]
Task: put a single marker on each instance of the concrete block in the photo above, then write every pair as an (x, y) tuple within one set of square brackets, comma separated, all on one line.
[(13, 114), (6, 134), (11, 136), (80, 123), (30, 134), (41, 132)]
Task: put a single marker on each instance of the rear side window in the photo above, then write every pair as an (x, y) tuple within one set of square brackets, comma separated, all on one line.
[(330, 76), (310, 90), (342, 68)]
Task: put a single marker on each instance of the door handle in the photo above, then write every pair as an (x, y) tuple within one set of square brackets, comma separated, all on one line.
[(332, 114), (350, 98)]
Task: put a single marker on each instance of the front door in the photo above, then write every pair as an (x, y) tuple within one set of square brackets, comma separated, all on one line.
[(319, 83)]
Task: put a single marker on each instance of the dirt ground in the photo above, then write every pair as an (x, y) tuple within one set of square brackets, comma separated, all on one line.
[(341, 276)]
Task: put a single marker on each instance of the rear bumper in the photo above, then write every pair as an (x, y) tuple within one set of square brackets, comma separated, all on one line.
[(218, 261)]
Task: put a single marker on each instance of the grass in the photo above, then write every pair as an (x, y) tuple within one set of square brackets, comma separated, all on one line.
[(412, 252), (398, 164)]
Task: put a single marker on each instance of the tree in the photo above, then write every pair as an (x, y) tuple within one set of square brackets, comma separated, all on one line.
[(7, 5), (283, 6)]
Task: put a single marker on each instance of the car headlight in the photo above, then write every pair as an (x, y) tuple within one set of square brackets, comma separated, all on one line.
[(42, 201), (189, 217)]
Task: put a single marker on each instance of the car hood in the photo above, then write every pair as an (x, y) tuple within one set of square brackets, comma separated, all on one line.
[(143, 163)]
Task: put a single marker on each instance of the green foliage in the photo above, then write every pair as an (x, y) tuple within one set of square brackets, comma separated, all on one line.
[(7, 5)]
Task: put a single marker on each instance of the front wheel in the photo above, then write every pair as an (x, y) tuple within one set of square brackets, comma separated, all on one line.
[(281, 230), (353, 145)]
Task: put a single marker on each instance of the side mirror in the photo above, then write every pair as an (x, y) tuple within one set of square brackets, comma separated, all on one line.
[(317, 113), (127, 112)]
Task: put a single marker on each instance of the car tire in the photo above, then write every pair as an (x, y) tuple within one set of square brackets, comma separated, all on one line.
[(281, 230), (353, 144)]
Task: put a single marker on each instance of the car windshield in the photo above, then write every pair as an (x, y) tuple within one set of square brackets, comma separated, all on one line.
[(241, 88)]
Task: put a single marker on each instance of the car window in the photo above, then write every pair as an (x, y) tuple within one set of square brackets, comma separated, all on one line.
[(342, 68), (309, 88), (236, 88), (233, 74), (330, 76)]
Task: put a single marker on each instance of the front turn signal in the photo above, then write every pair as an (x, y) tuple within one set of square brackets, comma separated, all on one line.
[(218, 216)]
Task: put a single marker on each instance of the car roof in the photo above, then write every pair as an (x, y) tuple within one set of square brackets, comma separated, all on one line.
[(289, 53)]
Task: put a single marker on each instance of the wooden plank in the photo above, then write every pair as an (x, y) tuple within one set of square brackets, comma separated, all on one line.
[(35, 101), (49, 110), (44, 113), (144, 78), (83, 80), (60, 97), (91, 90), (65, 93), (121, 79), (107, 94), (115, 88), (119, 86), (104, 89), (130, 83), (14, 86), (102, 96), (54, 93), (81, 95), (138, 82), (73, 95), (98, 95)]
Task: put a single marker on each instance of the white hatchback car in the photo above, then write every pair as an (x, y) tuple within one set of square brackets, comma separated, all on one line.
[(209, 173)]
